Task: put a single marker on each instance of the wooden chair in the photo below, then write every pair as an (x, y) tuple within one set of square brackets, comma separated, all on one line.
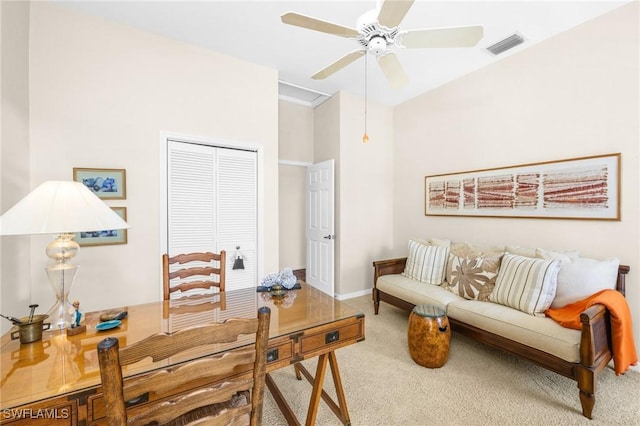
[(198, 304), (205, 272), (228, 376)]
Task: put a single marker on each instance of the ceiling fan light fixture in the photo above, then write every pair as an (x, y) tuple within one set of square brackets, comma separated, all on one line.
[(377, 45)]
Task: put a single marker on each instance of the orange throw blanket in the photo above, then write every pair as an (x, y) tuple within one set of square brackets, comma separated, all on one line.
[(624, 349)]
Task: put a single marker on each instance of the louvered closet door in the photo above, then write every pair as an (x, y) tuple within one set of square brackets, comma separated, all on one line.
[(237, 212), (191, 196), (212, 205)]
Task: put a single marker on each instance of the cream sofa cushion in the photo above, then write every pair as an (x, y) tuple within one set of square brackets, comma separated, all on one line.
[(540, 333), (415, 292), (475, 250)]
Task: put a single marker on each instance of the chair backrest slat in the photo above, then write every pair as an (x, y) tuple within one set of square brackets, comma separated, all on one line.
[(210, 266), (163, 381), (227, 379), (163, 345), (170, 410)]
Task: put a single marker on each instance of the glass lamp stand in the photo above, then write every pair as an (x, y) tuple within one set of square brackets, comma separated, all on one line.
[(61, 276)]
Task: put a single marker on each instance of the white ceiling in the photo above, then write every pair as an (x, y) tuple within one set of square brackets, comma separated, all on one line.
[(252, 31)]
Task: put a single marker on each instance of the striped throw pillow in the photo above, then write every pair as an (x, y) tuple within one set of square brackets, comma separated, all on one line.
[(526, 284), (426, 263)]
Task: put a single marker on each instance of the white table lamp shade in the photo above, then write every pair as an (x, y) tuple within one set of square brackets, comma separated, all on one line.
[(60, 207)]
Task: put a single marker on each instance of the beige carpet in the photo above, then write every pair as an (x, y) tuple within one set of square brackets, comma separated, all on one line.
[(478, 385)]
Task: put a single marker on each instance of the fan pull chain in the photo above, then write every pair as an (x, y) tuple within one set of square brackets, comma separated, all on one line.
[(365, 137)]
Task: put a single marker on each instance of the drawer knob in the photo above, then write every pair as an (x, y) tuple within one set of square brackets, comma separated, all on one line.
[(331, 337), (272, 355), (137, 400)]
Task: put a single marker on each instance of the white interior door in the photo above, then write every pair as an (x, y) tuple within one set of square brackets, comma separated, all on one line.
[(320, 229)]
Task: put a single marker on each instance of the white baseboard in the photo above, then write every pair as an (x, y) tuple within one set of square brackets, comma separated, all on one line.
[(352, 295)]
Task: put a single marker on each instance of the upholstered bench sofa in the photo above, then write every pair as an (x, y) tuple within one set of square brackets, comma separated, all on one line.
[(498, 296)]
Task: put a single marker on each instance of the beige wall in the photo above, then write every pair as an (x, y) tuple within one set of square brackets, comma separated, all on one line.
[(295, 141), (366, 192), (364, 185), (101, 93), (14, 154), (571, 96), (295, 132), (293, 243)]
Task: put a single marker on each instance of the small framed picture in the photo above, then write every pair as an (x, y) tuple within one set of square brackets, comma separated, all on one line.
[(108, 184), (105, 237)]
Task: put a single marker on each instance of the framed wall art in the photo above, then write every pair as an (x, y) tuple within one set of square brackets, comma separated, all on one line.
[(105, 237), (576, 188), (108, 184)]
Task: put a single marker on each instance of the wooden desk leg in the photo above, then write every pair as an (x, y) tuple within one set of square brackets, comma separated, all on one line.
[(297, 370), (337, 382), (339, 409), (316, 393)]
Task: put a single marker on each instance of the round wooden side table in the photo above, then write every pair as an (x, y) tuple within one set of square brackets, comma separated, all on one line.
[(429, 335)]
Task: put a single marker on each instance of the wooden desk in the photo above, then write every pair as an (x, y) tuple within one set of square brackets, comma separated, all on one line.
[(57, 381)]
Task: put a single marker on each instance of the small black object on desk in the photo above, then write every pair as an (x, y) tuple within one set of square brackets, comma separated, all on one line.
[(262, 289)]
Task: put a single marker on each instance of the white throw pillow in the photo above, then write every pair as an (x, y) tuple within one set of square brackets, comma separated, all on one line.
[(426, 263), (526, 284), (560, 255), (581, 277)]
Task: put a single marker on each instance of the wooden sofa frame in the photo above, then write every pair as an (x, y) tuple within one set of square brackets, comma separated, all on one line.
[(595, 341)]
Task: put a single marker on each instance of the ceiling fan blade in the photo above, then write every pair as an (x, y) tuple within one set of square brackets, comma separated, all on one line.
[(308, 22), (338, 65), (442, 37), (393, 70), (392, 12)]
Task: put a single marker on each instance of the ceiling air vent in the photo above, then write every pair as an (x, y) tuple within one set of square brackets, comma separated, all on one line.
[(506, 44)]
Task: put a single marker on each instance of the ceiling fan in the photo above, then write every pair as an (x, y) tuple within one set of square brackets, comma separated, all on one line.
[(378, 33)]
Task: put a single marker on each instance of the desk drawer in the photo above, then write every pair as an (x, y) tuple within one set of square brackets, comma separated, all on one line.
[(279, 353), (332, 337)]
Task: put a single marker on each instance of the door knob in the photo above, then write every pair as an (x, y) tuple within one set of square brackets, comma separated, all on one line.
[(329, 237)]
